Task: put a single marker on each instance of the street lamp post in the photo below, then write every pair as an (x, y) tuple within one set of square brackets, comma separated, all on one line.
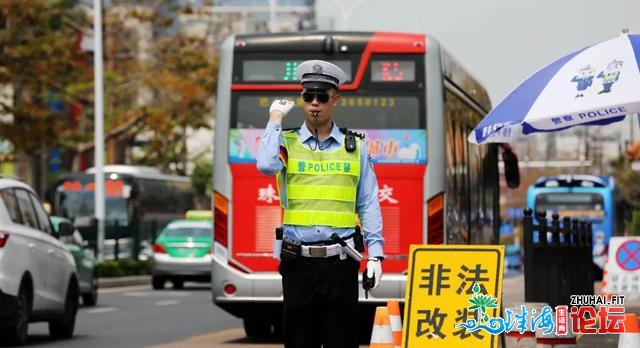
[(345, 13), (98, 126), (272, 16)]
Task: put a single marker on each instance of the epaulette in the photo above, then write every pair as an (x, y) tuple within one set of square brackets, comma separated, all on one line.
[(346, 131)]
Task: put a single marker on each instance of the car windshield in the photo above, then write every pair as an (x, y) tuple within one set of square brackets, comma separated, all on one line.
[(188, 232)]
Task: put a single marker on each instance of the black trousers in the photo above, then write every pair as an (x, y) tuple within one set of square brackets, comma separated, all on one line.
[(320, 302)]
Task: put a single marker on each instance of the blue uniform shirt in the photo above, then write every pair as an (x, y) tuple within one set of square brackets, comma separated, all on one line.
[(367, 204)]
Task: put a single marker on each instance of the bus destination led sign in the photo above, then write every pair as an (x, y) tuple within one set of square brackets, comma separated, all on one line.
[(393, 71), (283, 70)]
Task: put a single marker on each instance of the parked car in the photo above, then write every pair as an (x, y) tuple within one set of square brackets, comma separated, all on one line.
[(182, 251), (38, 280), (86, 263)]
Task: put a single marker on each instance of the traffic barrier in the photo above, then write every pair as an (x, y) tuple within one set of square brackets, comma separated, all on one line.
[(381, 335), (526, 339), (631, 337), (551, 340), (559, 253), (396, 322)]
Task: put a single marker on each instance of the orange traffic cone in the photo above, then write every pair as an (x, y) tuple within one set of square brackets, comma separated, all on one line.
[(396, 322), (631, 337), (381, 335)]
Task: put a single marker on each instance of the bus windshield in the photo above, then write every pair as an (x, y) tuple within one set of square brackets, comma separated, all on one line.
[(355, 110), (79, 206), (74, 199), (580, 205)]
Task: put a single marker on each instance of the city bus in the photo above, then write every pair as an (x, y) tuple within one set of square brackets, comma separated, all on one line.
[(585, 197), (140, 201), (415, 105)]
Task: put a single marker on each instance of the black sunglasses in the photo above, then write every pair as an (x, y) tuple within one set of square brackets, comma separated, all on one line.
[(309, 96)]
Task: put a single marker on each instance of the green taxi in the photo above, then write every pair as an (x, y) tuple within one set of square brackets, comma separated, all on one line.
[(85, 260), (182, 251)]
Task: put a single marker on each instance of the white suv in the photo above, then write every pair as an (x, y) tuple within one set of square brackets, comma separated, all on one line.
[(38, 279)]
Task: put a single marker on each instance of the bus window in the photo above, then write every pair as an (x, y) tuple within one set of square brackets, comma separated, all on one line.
[(77, 203), (355, 111), (572, 204)]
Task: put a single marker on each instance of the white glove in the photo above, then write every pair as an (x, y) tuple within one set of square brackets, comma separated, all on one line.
[(374, 271), (281, 105)]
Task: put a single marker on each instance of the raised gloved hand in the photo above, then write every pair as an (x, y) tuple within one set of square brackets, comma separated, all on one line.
[(374, 271), (280, 106)]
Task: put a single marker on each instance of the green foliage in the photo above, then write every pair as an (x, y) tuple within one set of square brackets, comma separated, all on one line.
[(633, 229), (182, 80), (627, 182), (39, 64), (123, 267), (201, 178), (160, 86)]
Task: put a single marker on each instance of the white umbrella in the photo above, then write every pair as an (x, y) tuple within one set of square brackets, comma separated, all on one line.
[(596, 85)]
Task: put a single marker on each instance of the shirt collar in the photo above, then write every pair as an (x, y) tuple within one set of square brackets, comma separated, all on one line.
[(336, 134)]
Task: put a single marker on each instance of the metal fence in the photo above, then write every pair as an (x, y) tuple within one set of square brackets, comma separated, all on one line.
[(558, 259)]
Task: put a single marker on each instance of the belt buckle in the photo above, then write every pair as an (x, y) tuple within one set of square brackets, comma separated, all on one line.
[(317, 251)]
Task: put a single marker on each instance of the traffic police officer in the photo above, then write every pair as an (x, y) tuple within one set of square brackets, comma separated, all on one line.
[(324, 175)]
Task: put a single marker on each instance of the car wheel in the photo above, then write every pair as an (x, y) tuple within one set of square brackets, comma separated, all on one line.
[(64, 326), (15, 332), (177, 284), (157, 282), (91, 298)]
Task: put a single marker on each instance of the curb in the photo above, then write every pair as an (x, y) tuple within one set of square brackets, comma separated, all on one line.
[(115, 282)]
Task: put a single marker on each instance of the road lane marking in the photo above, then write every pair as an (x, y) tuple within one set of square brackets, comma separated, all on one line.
[(157, 294), (167, 303), (123, 289), (101, 310)]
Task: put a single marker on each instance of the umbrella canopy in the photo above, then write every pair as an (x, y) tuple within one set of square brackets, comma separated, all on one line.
[(596, 85)]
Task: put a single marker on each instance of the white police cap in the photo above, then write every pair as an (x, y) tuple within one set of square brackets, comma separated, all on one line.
[(319, 74)]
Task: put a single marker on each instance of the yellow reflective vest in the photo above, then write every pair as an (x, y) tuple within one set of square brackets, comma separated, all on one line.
[(321, 185)]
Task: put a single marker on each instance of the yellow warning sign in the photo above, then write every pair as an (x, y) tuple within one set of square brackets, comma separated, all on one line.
[(449, 285)]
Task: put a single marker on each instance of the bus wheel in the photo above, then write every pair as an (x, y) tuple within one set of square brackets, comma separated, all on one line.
[(256, 327), (157, 282)]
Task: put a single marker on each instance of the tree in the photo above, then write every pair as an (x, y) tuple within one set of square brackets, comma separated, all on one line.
[(166, 83), (182, 78), (38, 64), (627, 182), (158, 83), (201, 182)]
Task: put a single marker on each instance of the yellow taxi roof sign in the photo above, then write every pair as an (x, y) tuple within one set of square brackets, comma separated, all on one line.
[(198, 215)]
